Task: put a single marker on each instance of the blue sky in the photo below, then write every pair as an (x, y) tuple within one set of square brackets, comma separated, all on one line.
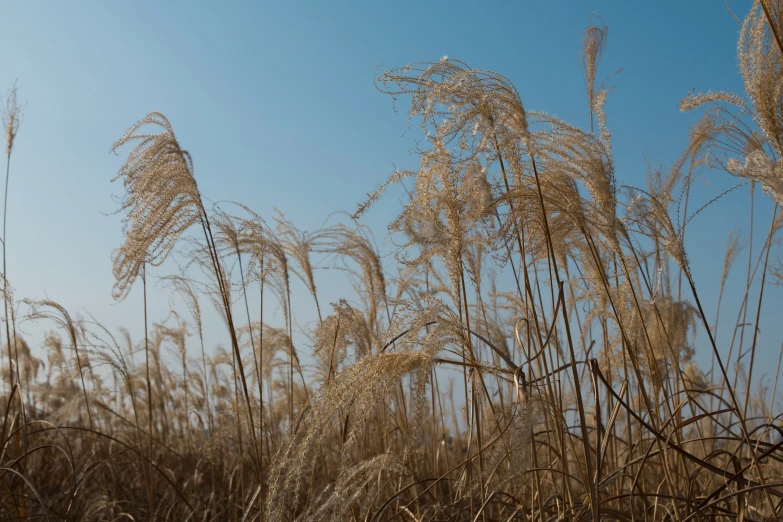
[(276, 102)]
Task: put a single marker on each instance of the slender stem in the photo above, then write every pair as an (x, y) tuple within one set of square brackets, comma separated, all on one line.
[(223, 288), (149, 392), (758, 313), (11, 371)]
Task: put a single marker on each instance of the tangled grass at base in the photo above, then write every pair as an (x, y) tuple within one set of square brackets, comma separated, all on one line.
[(529, 358)]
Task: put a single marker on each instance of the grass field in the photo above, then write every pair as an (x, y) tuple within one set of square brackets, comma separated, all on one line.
[(527, 354)]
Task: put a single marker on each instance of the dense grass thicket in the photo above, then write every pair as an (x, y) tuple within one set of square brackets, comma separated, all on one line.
[(527, 355)]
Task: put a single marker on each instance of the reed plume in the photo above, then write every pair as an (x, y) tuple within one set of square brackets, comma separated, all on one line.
[(519, 348)]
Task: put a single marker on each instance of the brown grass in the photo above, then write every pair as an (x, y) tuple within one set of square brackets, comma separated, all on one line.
[(530, 357)]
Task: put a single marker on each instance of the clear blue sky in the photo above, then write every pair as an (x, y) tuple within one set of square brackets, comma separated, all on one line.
[(275, 100)]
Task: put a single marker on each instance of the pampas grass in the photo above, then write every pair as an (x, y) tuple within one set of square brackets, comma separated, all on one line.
[(527, 353)]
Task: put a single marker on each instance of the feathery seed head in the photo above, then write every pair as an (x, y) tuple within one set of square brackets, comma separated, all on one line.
[(161, 199), (593, 45), (11, 114)]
